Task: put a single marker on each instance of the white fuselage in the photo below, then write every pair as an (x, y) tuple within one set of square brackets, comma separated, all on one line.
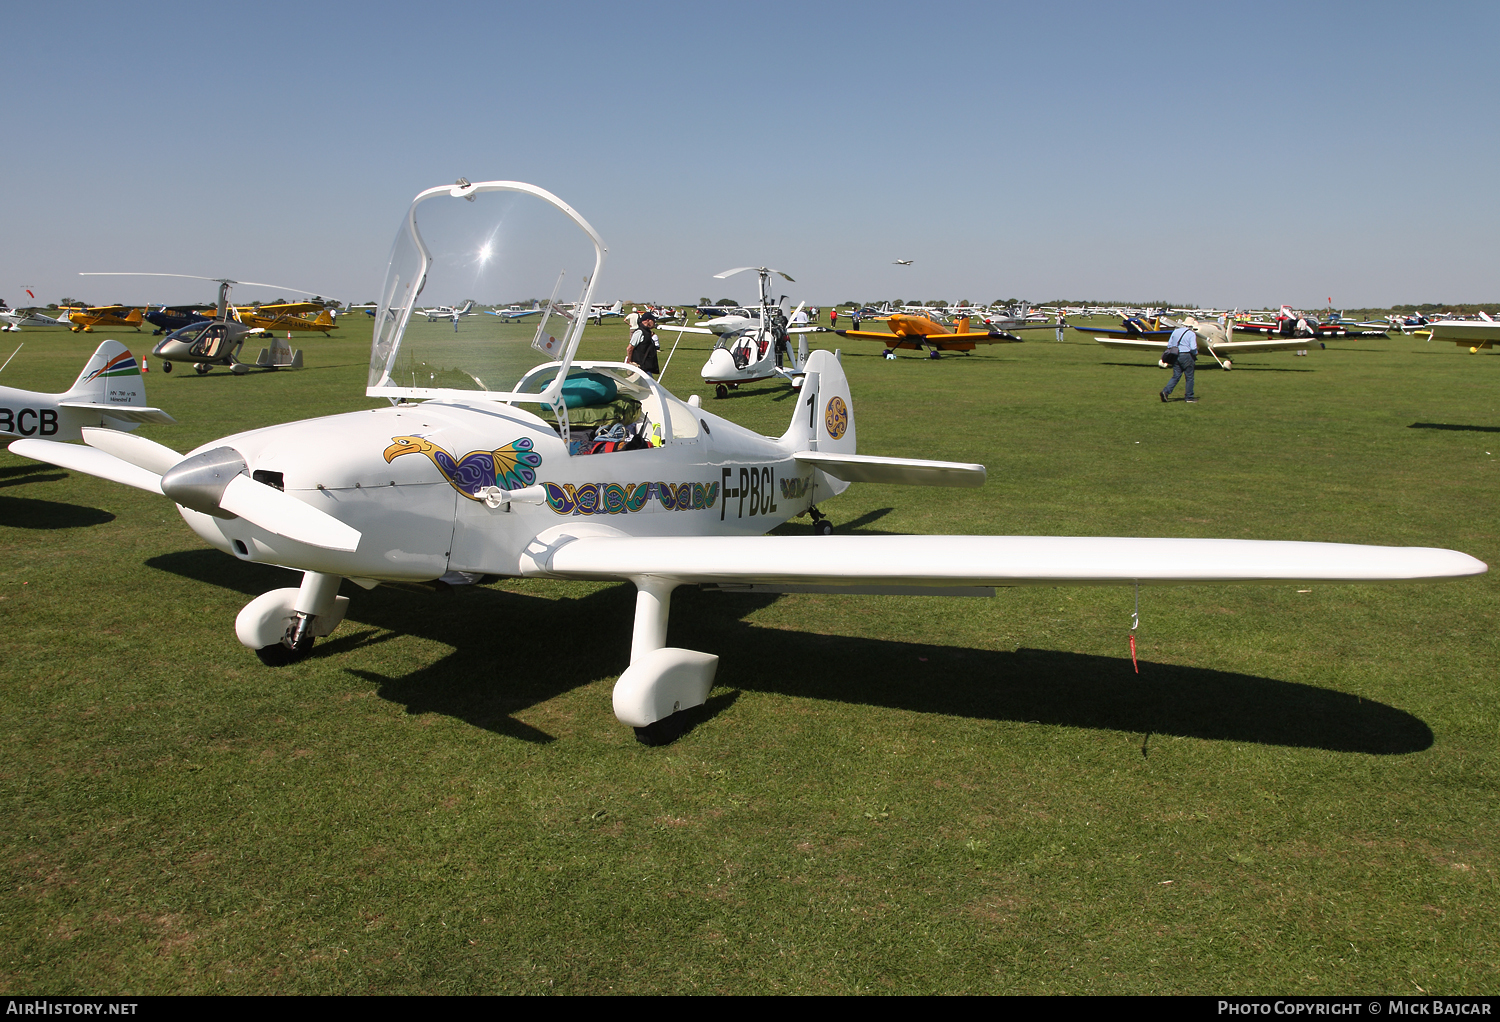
[(710, 477)]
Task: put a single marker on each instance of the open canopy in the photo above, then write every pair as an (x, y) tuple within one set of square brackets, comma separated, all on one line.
[(494, 244)]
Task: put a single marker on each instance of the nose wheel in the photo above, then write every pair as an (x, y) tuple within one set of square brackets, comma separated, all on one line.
[(166, 367)]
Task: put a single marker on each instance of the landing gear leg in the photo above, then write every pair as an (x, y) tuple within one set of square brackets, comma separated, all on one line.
[(662, 684), (821, 525), (281, 625)]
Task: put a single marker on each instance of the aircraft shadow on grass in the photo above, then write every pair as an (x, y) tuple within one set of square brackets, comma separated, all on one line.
[(1444, 425), (1239, 367), (30, 513), (512, 651)]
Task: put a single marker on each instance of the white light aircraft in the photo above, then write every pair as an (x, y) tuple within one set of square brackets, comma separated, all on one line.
[(751, 346), (1473, 334), (1218, 340), (481, 469), (902, 262), (15, 319), (110, 393), (449, 312)]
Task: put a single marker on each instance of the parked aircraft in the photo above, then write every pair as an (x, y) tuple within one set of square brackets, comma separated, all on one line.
[(287, 317), (1469, 333), (174, 317), (110, 392), (15, 319), (458, 478), (85, 319), (517, 311), (217, 341), (926, 331), (1220, 343), (449, 312), (753, 343)]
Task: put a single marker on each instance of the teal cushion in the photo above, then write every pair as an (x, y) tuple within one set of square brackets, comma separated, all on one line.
[(582, 390)]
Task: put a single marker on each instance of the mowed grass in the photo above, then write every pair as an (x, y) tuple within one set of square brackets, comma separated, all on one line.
[(1297, 793)]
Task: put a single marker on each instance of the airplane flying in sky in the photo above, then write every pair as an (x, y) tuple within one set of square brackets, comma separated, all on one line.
[(110, 392), (511, 478), (926, 331), (902, 262)]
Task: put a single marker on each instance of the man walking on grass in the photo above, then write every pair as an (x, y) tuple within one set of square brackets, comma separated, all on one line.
[(1182, 356)]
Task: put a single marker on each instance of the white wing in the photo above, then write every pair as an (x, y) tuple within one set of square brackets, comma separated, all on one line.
[(902, 561)]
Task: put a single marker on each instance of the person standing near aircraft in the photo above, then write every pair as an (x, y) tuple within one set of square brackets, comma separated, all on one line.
[(833, 317), (1182, 356), (643, 344), (854, 317), (1062, 325)]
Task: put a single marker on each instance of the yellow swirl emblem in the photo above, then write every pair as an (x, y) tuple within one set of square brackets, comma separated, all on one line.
[(836, 418)]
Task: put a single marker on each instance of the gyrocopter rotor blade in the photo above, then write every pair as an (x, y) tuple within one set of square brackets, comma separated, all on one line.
[(757, 269), (216, 280)]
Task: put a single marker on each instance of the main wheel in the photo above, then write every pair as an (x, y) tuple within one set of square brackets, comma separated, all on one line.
[(201, 369), (279, 654), (664, 731), (823, 527), (166, 367)]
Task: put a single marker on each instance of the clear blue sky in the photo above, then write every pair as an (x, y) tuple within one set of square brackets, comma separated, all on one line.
[(1233, 154)]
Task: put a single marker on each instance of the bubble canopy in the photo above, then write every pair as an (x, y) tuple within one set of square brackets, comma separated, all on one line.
[(486, 282)]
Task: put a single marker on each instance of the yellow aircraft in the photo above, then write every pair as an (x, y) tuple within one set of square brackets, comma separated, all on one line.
[(285, 316), (85, 319), (918, 332)]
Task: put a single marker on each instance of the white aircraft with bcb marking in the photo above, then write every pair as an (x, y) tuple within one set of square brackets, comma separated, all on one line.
[(508, 456)]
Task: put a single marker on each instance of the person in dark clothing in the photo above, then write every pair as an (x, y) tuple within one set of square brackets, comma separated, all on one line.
[(643, 344)]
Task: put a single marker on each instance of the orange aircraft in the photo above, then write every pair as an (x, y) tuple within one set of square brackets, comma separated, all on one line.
[(286, 316), (85, 319), (918, 332)]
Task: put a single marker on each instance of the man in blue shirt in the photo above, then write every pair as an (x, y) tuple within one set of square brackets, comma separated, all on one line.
[(1182, 356)]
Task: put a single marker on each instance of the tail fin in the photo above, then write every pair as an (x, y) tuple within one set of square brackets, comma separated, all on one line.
[(325, 318), (110, 377), (467, 306), (823, 419), (616, 307), (133, 317)]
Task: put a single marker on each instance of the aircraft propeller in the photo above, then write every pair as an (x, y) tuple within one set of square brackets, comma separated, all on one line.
[(214, 482)]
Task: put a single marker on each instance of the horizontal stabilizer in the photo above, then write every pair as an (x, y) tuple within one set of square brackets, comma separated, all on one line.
[(990, 560), (863, 468), (125, 413), (88, 461)]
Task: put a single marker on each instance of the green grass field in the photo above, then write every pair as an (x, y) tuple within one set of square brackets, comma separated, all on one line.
[(1296, 794)]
